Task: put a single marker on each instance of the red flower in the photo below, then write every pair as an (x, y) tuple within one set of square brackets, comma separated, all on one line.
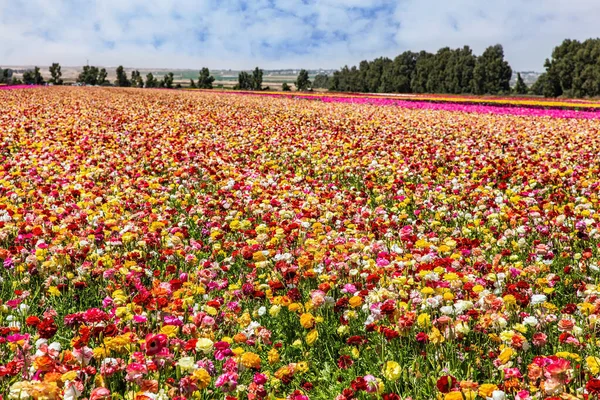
[(422, 337), (388, 307), (94, 315), (391, 396), (593, 386), (344, 362), (47, 328), (446, 383), (32, 321), (155, 343), (356, 340), (359, 384)]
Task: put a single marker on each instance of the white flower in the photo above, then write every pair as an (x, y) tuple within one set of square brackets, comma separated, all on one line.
[(498, 395), (186, 364), (531, 321), (538, 299), (262, 310), (447, 310)]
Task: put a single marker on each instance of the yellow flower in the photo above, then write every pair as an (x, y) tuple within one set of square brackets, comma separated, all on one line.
[(250, 360), (302, 367), (273, 356), (311, 337), (593, 364), (202, 378), (509, 300), (295, 307), (53, 291), (355, 301), (186, 363), (392, 370), (423, 320), (69, 376), (204, 345), (436, 336), (487, 389), (453, 396), (478, 289), (169, 330), (506, 355), (448, 296), (307, 321), (274, 310)]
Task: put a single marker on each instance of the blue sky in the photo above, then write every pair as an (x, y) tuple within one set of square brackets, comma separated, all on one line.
[(240, 34)]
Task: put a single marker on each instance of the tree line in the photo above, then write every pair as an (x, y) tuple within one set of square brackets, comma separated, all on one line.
[(572, 71), (456, 71)]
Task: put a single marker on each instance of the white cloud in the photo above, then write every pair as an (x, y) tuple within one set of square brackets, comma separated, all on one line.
[(281, 33)]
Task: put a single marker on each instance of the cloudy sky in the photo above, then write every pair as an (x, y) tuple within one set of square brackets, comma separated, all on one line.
[(240, 34)]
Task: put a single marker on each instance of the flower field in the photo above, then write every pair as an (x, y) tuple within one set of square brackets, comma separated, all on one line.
[(199, 245)]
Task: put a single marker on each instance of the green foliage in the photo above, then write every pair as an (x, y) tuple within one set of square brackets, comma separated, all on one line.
[(573, 70), (37, 76), (56, 74), (285, 87), (520, 86), (151, 81), (257, 78), (102, 74), (91, 76), (122, 80), (33, 77), (28, 78), (492, 74), (193, 84), (6, 76), (302, 81), (321, 81), (447, 71), (205, 80), (136, 79), (244, 81), (167, 81)]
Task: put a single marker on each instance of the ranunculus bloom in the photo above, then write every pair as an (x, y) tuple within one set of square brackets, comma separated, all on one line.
[(155, 343)]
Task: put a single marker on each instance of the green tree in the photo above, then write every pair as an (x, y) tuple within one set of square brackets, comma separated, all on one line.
[(285, 87), (244, 81), (257, 78), (193, 84), (122, 80), (492, 73), (520, 86), (28, 77), (151, 81), (205, 80), (56, 74), (101, 77), (302, 81), (37, 76), (136, 79), (397, 75), (321, 81), (90, 76), (6, 76), (423, 66), (168, 81)]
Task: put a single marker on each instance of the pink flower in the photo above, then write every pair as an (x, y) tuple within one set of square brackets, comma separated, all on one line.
[(558, 370), (227, 381), (100, 394), (155, 343), (539, 339)]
